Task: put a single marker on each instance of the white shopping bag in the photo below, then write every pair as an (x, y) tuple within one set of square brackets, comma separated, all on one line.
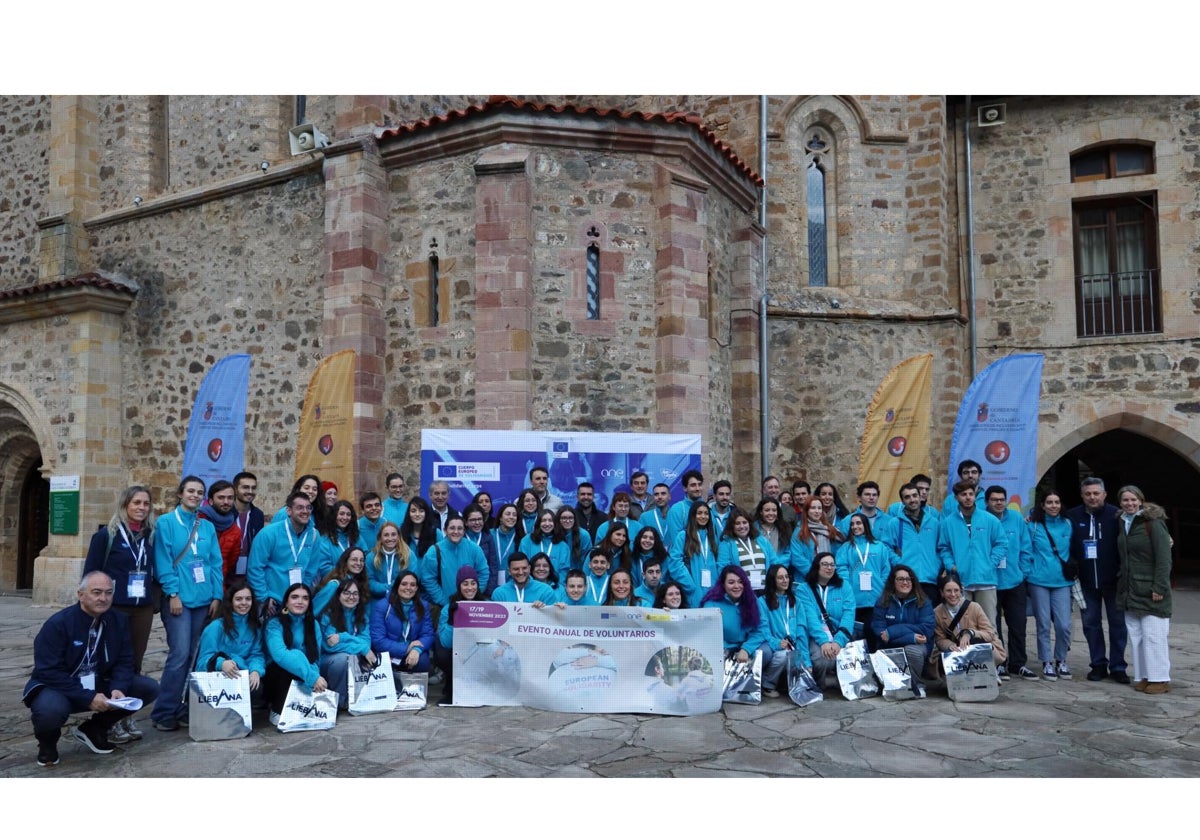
[(218, 706), (304, 711), (971, 674), (370, 690), (856, 677)]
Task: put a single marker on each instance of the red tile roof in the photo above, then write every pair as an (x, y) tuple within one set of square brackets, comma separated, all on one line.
[(91, 279), (496, 103)]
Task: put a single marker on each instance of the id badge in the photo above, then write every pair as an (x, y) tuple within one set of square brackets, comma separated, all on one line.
[(197, 573), (706, 578), (137, 586), (864, 581), (241, 564), (87, 682), (756, 578), (1091, 549), (1003, 564), (294, 576), (502, 576)]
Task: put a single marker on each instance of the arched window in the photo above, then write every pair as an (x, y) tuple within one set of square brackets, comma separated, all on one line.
[(818, 147)]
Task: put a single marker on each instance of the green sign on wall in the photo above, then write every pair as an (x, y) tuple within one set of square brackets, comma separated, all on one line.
[(64, 504)]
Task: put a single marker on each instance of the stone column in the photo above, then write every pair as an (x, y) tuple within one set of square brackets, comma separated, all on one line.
[(74, 187), (356, 241), (681, 273), (745, 302), (504, 295)]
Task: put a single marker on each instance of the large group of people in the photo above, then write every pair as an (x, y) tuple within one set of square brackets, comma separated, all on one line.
[(292, 596)]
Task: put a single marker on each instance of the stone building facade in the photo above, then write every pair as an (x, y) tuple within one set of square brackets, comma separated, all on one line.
[(143, 238)]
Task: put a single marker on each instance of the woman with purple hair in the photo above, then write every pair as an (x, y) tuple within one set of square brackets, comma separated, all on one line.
[(741, 621)]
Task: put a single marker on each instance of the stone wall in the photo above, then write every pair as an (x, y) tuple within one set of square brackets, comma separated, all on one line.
[(235, 275), (24, 147)]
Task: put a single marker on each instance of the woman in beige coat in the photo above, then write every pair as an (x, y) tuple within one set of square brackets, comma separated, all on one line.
[(973, 628)]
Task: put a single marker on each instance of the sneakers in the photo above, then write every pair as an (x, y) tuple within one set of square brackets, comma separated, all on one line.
[(770, 692), (1140, 685), (1097, 673), (169, 725), (1064, 673), (1048, 672), (1120, 677), (1024, 673), (919, 692), (1002, 673), (131, 728), (92, 738), (274, 718), (1158, 688), (47, 755), (117, 734)]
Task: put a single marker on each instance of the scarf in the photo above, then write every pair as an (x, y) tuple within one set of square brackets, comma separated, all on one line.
[(221, 522)]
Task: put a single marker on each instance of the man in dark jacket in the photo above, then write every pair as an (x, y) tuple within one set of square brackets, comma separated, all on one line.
[(82, 659), (1094, 530)]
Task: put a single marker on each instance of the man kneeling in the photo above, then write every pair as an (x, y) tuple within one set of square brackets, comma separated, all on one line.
[(82, 659)]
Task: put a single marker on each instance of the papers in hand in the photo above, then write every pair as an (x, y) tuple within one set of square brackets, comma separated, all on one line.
[(129, 704)]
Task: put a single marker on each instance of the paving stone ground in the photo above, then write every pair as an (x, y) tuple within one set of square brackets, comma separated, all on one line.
[(1035, 730)]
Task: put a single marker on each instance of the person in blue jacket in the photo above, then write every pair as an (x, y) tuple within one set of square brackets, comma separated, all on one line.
[(545, 539), (620, 590), (402, 625), (506, 536), (310, 486), (293, 643), (353, 565), (345, 630), (741, 623), (82, 658), (912, 535), (368, 524), (478, 533), (829, 609), (187, 561), (394, 508), (772, 527), (390, 556), (598, 573), (1010, 582), (124, 550), (521, 588), (574, 589), (439, 568), (443, 645), (972, 543), (680, 512), (648, 545), (576, 538), (542, 570), (233, 641), (420, 530), (652, 570), (904, 619), (529, 505), (285, 553), (692, 562), (784, 627), (742, 545), (616, 547), (813, 534), (618, 513), (866, 563), (1049, 586)]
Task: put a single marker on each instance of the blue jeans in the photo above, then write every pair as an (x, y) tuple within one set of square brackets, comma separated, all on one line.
[(183, 640), (335, 668), (1052, 608), (1093, 628), (50, 709)]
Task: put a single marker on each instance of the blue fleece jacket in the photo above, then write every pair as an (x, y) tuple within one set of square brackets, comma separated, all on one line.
[(196, 577), (293, 659), (244, 646), (450, 557), (785, 622), (839, 605), (857, 557), (1018, 561), (736, 637), (1054, 535), (273, 557), (695, 573), (975, 551)]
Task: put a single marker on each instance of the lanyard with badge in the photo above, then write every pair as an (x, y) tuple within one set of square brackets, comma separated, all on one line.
[(296, 573), (705, 572), (136, 587), (864, 574), (87, 668), (598, 598), (243, 521), (753, 560), (1091, 546), (196, 564)]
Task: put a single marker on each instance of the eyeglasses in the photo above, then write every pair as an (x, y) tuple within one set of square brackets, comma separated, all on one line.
[(826, 565), (903, 579), (353, 596), (302, 508)]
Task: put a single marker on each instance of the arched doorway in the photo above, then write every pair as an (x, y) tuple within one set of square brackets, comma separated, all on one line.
[(1123, 457), (24, 499)]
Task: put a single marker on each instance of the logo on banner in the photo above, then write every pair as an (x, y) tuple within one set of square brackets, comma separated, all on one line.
[(208, 411), (215, 447), (896, 446), (981, 413), (890, 416), (467, 470), (997, 452), (317, 411), (447, 470), (560, 448), (325, 444)]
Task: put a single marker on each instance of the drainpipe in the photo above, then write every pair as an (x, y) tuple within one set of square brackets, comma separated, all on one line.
[(764, 396), (972, 331)]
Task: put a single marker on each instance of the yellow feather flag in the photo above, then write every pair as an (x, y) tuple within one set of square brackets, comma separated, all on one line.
[(325, 446), (895, 442)]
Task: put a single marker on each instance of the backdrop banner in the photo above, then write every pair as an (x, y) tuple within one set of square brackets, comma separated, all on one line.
[(588, 659), (216, 435), (997, 426), (324, 446), (895, 444), (499, 462)]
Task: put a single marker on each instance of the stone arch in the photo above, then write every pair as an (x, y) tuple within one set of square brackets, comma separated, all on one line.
[(848, 108), (1177, 440), (24, 442)]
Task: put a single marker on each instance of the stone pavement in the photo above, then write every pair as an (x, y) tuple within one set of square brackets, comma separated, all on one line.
[(1035, 729)]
